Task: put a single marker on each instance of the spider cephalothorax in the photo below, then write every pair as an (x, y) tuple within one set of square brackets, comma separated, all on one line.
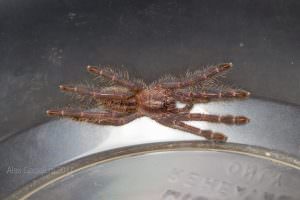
[(156, 100), (127, 100)]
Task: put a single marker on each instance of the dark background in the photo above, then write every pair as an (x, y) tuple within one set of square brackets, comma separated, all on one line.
[(46, 43)]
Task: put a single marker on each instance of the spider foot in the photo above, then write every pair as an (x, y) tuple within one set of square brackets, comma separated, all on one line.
[(213, 136)]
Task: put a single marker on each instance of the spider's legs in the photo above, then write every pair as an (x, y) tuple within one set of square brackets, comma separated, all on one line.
[(205, 96), (208, 134), (114, 77), (209, 73), (97, 94), (227, 119), (107, 118)]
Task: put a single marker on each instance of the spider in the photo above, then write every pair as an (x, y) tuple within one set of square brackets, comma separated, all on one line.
[(126, 100)]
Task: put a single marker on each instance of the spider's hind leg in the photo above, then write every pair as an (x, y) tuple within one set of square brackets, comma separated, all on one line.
[(210, 96), (208, 134), (97, 94), (106, 118), (227, 119), (186, 109)]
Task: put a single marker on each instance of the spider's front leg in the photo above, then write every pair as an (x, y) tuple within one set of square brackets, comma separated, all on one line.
[(172, 122), (207, 74), (108, 74), (105, 118)]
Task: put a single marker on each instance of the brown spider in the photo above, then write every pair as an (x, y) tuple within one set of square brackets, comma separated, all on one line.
[(128, 100)]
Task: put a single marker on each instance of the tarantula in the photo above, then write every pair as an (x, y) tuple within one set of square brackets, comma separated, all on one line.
[(126, 100)]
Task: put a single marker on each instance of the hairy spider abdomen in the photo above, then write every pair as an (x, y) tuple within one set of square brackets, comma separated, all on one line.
[(156, 100)]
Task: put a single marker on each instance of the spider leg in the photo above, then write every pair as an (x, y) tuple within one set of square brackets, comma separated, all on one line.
[(208, 134), (227, 119), (97, 94), (186, 109), (205, 97), (105, 118), (114, 77), (192, 81)]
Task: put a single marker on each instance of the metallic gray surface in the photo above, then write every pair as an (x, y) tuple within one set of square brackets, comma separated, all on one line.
[(27, 155), (179, 175)]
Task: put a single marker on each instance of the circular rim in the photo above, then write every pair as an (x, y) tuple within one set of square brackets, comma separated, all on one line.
[(91, 160)]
